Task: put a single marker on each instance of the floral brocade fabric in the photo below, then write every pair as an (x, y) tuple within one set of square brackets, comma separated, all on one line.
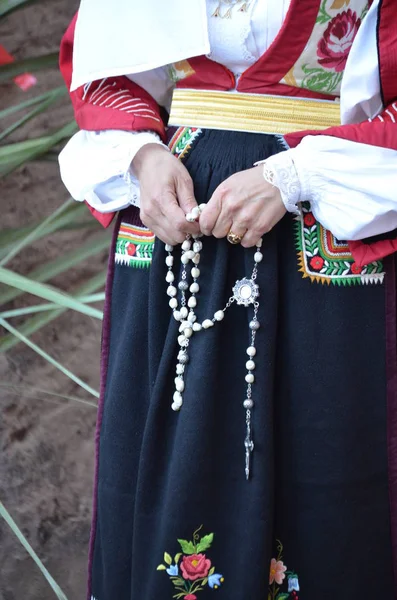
[(322, 63)]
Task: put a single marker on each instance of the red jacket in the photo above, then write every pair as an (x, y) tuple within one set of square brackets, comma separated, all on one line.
[(262, 77)]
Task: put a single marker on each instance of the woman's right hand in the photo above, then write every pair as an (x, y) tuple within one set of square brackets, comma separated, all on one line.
[(167, 193)]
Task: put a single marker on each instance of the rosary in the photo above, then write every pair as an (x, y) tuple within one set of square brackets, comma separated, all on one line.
[(245, 293)]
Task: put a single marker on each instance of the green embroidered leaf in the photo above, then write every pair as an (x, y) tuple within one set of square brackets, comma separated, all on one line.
[(320, 80), (161, 568), (212, 571), (205, 542), (282, 596), (167, 558), (205, 581), (187, 547), (177, 557)]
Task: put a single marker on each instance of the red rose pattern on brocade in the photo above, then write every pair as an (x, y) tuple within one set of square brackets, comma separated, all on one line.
[(334, 47)]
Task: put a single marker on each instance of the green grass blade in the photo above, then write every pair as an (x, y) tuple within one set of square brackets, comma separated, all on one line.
[(17, 389), (22, 539), (47, 293), (14, 155), (42, 107), (35, 323), (38, 308), (10, 110), (10, 237), (33, 235), (7, 6), (28, 65), (48, 358)]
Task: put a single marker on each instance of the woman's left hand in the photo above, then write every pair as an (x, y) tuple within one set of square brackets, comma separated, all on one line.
[(245, 204)]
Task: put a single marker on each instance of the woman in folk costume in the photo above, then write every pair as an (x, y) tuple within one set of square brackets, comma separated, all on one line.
[(247, 430)]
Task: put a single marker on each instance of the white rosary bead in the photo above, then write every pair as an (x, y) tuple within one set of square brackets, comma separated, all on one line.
[(250, 378), (192, 302), (169, 248), (196, 259), (197, 246), (180, 369), (190, 254), (190, 218), (251, 350), (173, 302), (184, 312), (183, 325), (250, 365), (207, 324), (202, 206), (188, 332), (169, 261), (169, 277), (195, 272), (194, 288), (171, 290), (181, 340), (175, 407), (191, 317), (187, 244), (178, 398), (196, 327), (179, 384), (195, 212), (219, 315), (184, 259), (177, 315), (258, 256), (196, 236)]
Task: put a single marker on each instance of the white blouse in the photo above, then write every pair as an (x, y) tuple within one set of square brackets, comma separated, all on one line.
[(350, 185)]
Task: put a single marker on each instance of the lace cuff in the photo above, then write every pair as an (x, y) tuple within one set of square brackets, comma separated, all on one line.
[(279, 170)]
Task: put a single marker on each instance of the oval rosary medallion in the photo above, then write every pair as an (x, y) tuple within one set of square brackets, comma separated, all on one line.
[(245, 291)]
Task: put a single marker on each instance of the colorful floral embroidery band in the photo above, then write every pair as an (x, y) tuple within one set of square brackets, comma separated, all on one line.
[(134, 246), (191, 571), (279, 576), (182, 140), (324, 259)]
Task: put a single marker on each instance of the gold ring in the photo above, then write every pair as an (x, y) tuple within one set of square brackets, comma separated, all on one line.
[(233, 238)]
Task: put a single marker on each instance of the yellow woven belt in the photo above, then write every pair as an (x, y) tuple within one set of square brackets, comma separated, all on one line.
[(251, 112)]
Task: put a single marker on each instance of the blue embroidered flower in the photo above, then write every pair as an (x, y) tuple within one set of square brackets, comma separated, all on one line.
[(172, 570), (215, 580), (293, 583)]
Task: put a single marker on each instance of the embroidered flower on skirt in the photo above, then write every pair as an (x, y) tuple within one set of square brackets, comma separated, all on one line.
[(191, 571), (325, 259), (283, 584)]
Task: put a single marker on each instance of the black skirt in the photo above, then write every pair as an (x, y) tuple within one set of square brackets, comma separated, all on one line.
[(174, 516)]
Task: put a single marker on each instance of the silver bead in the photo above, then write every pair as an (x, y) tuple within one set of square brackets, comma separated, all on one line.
[(254, 325), (195, 272), (250, 365), (248, 403), (171, 290), (258, 257), (173, 302), (250, 378), (169, 277), (169, 261), (169, 248), (183, 357), (183, 285), (219, 315), (184, 312), (194, 288), (251, 351), (207, 324), (187, 244)]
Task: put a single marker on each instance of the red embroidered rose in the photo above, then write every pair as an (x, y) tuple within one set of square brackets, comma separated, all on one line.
[(309, 220), (317, 263), (190, 597), (356, 269), (195, 566), (333, 49), (131, 248)]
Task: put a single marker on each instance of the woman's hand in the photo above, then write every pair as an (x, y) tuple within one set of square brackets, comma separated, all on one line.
[(167, 193), (246, 204)]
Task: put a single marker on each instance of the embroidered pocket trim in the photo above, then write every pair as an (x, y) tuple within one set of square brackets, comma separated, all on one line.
[(182, 140), (134, 246), (325, 259)]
